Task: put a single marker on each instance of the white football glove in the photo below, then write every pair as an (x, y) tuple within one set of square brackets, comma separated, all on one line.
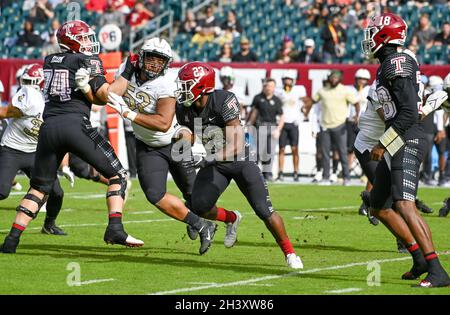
[(117, 103), (82, 77), (69, 175), (433, 102)]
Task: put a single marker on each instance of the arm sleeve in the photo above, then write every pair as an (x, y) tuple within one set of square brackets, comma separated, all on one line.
[(96, 83), (230, 108), (405, 97)]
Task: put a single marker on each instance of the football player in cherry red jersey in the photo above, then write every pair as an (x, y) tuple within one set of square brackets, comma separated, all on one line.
[(18, 144), (401, 146), (66, 128), (212, 111)]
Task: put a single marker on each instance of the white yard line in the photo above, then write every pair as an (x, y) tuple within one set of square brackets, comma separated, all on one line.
[(344, 290), (141, 212), (95, 281), (97, 224), (272, 277)]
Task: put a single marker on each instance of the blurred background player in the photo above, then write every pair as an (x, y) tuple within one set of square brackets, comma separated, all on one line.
[(19, 141), (291, 97), (434, 130)]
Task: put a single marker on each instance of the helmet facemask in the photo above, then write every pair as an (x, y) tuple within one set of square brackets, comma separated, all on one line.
[(153, 56), (88, 43), (368, 44), (184, 92)]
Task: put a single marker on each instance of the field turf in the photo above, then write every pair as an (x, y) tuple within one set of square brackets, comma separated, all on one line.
[(341, 251)]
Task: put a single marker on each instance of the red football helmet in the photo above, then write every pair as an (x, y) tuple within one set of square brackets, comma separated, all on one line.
[(33, 75), (194, 79), (78, 37), (383, 29)]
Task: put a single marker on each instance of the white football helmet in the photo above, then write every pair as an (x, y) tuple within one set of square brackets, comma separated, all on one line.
[(362, 74), (155, 47), (435, 83)]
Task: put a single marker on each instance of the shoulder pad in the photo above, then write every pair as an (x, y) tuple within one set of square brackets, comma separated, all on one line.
[(399, 65)]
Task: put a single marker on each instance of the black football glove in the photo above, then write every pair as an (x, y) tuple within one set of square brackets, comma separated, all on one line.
[(130, 67), (201, 163)]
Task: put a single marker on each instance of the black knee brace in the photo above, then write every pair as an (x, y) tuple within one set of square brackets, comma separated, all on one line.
[(39, 202), (122, 181)]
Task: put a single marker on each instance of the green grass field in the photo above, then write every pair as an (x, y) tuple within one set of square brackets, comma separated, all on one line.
[(335, 243)]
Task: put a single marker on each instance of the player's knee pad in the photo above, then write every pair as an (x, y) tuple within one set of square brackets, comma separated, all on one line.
[(154, 196), (122, 181), (40, 202)]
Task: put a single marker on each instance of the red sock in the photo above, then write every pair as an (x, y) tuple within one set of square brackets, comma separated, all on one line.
[(115, 218), (431, 256), (225, 215), (413, 247), (286, 246)]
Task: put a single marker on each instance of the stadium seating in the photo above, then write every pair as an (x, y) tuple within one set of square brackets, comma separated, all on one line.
[(265, 23)]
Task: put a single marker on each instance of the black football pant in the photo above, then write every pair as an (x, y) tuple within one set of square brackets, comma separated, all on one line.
[(212, 181), (71, 133)]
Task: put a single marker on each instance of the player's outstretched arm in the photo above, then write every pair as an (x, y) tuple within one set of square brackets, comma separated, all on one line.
[(10, 112)]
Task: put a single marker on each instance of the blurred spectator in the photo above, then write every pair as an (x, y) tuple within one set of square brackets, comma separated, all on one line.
[(139, 16), (233, 23), (112, 16), (51, 47), (225, 37), (245, 55), (190, 24), (424, 34), (309, 55), (227, 78), (226, 53), (287, 52), (152, 6), (96, 5), (207, 28), (54, 26), (41, 12), (443, 38), (349, 18), (334, 41), (123, 6), (28, 37)]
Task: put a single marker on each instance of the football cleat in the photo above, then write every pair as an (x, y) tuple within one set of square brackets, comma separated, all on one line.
[(9, 246), (191, 232), (293, 261), (231, 234), (52, 229), (423, 207), (443, 212), (207, 232), (362, 210), (435, 281), (416, 271), (115, 234)]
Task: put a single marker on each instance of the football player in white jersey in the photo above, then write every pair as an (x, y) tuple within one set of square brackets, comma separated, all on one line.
[(292, 97), (18, 144), (149, 102)]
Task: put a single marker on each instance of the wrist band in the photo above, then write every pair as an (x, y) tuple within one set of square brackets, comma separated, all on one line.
[(131, 116), (392, 141)]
